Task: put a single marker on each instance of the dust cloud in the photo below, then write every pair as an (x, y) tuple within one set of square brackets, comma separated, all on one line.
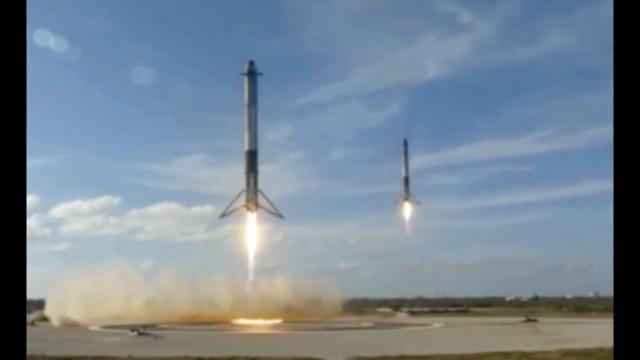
[(122, 294)]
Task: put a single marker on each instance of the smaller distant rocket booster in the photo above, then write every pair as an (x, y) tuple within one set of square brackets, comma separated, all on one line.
[(406, 191)]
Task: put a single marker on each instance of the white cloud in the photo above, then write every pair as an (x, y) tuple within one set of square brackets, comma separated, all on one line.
[(531, 144), (85, 208), (57, 43), (171, 221), (35, 230), (585, 188), (161, 221), (144, 76), (32, 201), (63, 246)]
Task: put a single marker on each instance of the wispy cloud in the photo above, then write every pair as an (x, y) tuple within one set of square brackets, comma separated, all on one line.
[(520, 197), (440, 51), (56, 43), (531, 144), (144, 76)]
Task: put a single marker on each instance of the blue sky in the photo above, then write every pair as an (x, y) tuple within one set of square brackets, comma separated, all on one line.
[(135, 141)]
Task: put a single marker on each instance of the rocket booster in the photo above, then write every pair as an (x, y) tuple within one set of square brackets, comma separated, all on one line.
[(251, 135), (252, 192), (406, 191)]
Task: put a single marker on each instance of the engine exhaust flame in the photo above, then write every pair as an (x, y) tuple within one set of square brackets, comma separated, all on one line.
[(251, 240), (407, 210), (256, 322)]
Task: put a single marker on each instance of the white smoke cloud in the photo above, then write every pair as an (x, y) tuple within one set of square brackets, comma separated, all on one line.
[(121, 294)]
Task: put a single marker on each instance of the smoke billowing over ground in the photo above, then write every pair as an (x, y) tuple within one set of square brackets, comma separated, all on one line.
[(121, 294)]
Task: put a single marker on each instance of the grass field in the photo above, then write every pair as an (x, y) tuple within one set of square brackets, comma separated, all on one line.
[(586, 354), (43, 357), (583, 354)]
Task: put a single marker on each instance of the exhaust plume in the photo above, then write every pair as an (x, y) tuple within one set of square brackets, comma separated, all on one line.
[(407, 210), (121, 294), (251, 239)]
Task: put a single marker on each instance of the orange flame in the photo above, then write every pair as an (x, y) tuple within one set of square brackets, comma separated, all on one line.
[(256, 322)]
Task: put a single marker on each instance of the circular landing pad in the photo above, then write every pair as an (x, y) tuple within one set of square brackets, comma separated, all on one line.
[(285, 327)]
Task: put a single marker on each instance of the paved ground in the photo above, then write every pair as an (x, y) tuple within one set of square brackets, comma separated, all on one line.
[(450, 335)]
